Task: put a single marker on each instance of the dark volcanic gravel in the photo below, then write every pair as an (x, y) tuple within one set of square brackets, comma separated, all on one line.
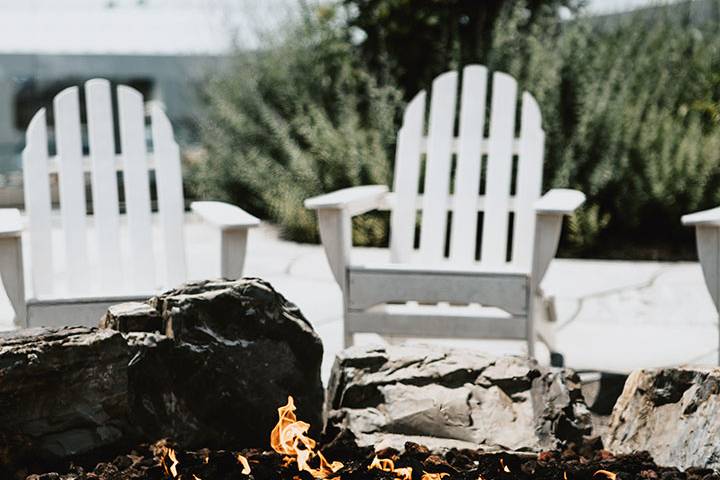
[(574, 463)]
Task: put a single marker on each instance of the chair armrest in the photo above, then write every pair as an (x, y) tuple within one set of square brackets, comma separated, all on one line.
[(705, 218), (224, 216), (559, 201), (10, 222), (335, 211), (355, 200)]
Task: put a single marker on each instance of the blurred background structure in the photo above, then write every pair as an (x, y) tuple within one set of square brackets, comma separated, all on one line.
[(163, 48)]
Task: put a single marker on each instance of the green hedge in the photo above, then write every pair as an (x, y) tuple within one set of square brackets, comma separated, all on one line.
[(631, 106), (632, 109), (298, 118)]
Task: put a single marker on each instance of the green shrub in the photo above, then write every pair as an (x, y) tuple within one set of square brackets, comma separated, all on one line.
[(300, 117), (630, 105)]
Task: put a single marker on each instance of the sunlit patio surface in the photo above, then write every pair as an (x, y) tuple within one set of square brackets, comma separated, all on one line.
[(613, 316)]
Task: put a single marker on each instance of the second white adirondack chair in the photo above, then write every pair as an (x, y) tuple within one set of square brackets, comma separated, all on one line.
[(442, 288), (707, 237), (68, 290)]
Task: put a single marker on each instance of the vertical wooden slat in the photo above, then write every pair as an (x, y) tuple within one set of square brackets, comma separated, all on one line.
[(137, 186), (104, 183), (168, 177), (499, 171), (469, 163), (36, 187), (406, 179), (72, 188), (437, 170), (529, 181)]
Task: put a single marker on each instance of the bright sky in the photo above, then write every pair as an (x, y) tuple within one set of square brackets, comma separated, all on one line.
[(157, 26), (608, 6)]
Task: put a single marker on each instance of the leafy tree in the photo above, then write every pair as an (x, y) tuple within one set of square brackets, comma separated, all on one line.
[(411, 41)]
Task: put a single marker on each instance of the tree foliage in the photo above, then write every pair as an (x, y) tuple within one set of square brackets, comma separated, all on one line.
[(412, 41), (298, 118), (631, 107)]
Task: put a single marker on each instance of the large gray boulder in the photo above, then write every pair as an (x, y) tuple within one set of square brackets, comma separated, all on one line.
[(446, 398), (206, 364), (63, 392), (673, 413), (229, 355)]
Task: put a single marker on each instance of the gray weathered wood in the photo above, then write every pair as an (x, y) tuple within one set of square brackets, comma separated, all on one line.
[(372, 286), (437, 325), (85, 311)]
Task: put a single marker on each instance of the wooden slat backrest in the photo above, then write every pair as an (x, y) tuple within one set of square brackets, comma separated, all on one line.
[(407, 177), (70, 166), (136, 183), (36, 187), (469, 164), (104, 182), (168, 176), (71, 185), (437, 169), (469, 149)]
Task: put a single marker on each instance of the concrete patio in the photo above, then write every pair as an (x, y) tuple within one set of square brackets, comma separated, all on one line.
[(612, 315)]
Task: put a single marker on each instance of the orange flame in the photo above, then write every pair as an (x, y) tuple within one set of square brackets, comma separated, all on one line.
[(246, 466), (166, 453), (289, 437), (402, 473), (607, 474), (504, 467), (434, 476)]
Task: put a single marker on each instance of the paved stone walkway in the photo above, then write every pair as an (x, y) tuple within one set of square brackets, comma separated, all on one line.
[(612, 315)]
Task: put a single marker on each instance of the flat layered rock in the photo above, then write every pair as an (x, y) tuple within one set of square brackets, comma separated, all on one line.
[(446, 397), (63, 392), (673, 413)]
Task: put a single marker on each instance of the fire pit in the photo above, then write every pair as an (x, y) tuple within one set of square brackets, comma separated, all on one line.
[(296, 456), (205, 366)]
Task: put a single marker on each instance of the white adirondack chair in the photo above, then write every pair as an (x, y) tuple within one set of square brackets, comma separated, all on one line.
[(103, 263), (707, 237), (422, 292)]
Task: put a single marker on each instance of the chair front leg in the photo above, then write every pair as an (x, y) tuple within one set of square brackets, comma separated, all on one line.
[(233, 245), (336, 235), (708, 247), (11, 271)]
